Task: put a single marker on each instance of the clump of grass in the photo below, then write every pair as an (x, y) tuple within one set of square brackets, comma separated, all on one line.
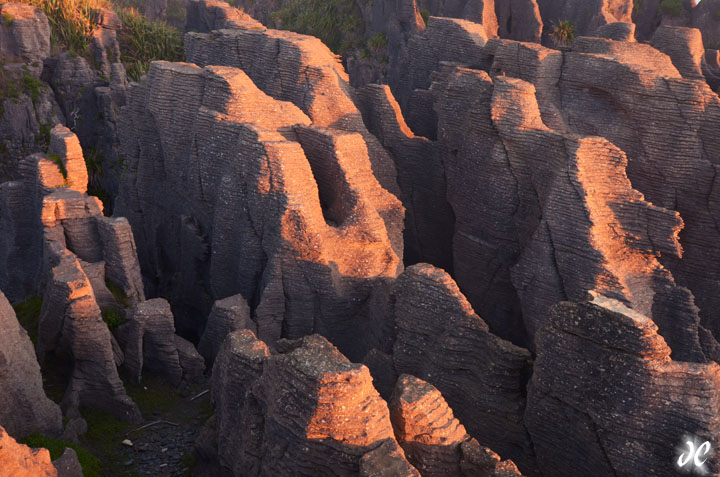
[(28, 314), (425, 14), (33, 86), (672, 7), (71, 21), (8, 19), (90, 464), (336, 22), (112, 317), (154, 395), (56, 159), (118, 294), (142, 41), (564, 32)]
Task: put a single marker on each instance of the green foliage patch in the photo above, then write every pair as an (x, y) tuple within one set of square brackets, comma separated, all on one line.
[(28, 314), (143, 41), (338, 23), (672, 7), (564, 32), (112, 317), (90, 464)]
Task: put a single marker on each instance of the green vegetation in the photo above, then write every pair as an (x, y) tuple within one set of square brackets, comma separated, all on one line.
[(8, 19), (90, 464), (56, 159), (142, 41), (338, 23), (672, 7), (28, 314), (378, 42), (118, 293), (564, 32), (33, 86), (425, 14), (112, 317)]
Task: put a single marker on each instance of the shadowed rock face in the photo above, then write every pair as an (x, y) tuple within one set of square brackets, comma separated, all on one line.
[(305, 411), (441, 340), (69, 249), (246, 195), (606, 398), (586, 16), (24, 408), (227, 315), (478, 11)]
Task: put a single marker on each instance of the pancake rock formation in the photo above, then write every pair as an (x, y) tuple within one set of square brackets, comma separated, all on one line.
[(24, 408), (247, 195), (19, 460), (634, 402), (304, 411)]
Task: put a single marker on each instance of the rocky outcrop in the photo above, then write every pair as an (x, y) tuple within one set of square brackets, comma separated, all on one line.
[(24, 408), (481, 12), (326, 98), (227, 315), (56, 244), (24, 33), (434, 441), (68, 465), (207, 15), (283, 211), (606, 397), (519, 20), (149, 342), (21, 461), (441, 340), (421, 176), (586, 16), (304, 411)]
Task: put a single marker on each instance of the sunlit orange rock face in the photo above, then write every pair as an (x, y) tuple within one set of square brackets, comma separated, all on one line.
[(304, 411), (246, 194), (434, 441), (19, 460)]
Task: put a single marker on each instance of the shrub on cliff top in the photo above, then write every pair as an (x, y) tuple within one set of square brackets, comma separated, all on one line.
[(142, 41), (564, 32), (338, 23), (672, 7)]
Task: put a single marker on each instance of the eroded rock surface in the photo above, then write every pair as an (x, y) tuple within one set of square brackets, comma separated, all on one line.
[(21, 461), (442, 341), (320, 237), (305, 411), (24, 408), (605, 388)]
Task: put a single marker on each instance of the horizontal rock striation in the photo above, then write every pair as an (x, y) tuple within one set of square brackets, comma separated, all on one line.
[(24, 408), (61, 246), (305, 73), (21, 461), (434, 441), (441, 340), (24, 33), (305, 411), (587, 16), (245, 195), (606, 397), (227, 315)]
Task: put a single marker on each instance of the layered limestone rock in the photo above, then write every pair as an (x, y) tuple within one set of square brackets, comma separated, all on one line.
[(434, 441), (207, 15), (304, 72), (227, 315), (421, 176), (441, 340), (246, 195), (606, 397), (58, 243), (305, 411), (667, 137), (481, 12), (519, 20), (150, 344), (24, 408), (24, 33)]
